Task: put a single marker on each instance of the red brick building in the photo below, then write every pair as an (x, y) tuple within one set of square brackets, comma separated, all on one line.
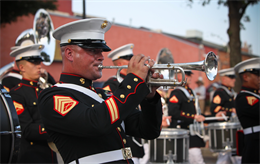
[(147, 42)]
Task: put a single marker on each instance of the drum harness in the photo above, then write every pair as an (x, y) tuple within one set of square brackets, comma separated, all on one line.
[(253, 129), (114, 155), (197, 128)]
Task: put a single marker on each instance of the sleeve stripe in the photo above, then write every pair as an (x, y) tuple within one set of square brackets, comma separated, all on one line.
[(113, 110)]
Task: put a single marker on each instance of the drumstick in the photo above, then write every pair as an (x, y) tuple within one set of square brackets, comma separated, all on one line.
[(168, 122), (224, 116), (214, 118)]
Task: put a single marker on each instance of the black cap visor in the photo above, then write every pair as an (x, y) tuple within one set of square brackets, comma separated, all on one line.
[(231, 76), (255, 71), (31, 59), (89, 44)]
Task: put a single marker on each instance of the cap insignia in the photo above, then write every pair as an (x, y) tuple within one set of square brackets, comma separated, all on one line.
[(40, 47), (104, 24), (69, 40)]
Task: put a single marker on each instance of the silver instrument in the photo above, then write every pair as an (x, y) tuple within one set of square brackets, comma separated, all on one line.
[(209, 66)]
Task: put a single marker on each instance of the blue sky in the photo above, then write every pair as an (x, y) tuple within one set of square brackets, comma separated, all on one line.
[(176, 17)]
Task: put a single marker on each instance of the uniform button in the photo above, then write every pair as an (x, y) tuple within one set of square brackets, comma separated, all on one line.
[(192, 115), (92, 105), (188, 101), (100, 95), (128, 86), (37, 89), (188, 114), (43, 129), (19, 85), (183, 113), (227, 109), (122, 96), (34, 103), (124, 140), (230, 99), (119, 129), (135, 79), (82, 80), (31, 143), (31, 82)]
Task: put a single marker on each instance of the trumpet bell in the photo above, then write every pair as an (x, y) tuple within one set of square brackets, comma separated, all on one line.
[(211, 66)]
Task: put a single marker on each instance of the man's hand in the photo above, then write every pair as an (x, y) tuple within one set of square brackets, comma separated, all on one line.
[(140, 65), (166, 120), (199, 118), (220, 114)]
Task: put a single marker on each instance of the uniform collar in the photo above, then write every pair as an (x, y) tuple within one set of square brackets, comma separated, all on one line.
[(75, 79), (15, 71), (250, 89), (29, 82), (229, 88)]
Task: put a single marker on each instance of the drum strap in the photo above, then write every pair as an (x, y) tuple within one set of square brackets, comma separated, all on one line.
[(230, 93), (16, 75), (187, 94), (256, 95)]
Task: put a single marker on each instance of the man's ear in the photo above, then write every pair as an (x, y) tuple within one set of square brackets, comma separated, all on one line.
[(69, 54)]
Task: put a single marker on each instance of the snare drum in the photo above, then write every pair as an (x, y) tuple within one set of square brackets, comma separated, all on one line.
[(9, 129), (172, 142), (223, 136)]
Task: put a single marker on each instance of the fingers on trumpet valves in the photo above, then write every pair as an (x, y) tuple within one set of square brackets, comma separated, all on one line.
[(147, 65)]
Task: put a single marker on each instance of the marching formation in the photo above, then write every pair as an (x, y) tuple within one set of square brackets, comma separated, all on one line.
[(129, 118)]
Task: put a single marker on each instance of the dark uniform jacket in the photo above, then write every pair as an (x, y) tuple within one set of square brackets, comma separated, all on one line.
[(182, 109), (34, 142), (11, 79), (135, 143), (223, 100), (247, 108), (81, 126)]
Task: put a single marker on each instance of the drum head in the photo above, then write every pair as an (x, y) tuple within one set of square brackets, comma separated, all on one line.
[(9, 129)]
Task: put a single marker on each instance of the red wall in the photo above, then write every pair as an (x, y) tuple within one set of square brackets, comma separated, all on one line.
[(146, 42)]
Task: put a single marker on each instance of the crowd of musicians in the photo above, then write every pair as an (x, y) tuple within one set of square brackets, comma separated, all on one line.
[(73, 122)]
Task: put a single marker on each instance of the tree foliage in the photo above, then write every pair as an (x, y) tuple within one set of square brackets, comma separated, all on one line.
[(11, 9), (236, 11)]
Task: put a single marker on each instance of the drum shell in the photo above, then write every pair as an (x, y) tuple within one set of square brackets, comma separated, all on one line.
[(170, 139), (223, 134), (9, 129)]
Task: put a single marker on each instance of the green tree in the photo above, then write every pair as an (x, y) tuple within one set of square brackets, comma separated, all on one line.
[(11, 9), (236, 11)]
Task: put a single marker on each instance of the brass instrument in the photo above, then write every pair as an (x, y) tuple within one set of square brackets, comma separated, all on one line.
[(209, 66)]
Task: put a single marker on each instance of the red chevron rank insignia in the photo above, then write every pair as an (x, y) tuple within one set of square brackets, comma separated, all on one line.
[(63, 104), (251, 100), (18, 107), (174, 99), (217, 99)]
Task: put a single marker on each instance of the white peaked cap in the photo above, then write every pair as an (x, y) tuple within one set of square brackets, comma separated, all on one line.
[(27, 51), (124, 50), (247, 65), (226, 72), (94, 28)]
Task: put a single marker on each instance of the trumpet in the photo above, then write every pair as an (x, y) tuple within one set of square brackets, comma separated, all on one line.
[(209, 65)]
